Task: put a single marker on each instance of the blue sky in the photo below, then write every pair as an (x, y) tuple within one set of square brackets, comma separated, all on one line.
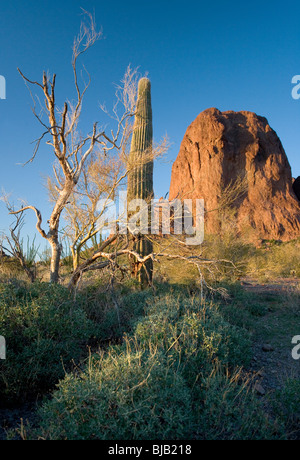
[(230, 55)]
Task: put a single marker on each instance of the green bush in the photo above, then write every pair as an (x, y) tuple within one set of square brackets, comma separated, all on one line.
[(114, 314), (129, 394), (229, 410), (44, 330), (286, 407), (194, 334), (175, 377), (276, 259)]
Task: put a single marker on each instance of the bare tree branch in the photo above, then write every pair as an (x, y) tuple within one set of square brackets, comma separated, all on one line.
[(38, 216)]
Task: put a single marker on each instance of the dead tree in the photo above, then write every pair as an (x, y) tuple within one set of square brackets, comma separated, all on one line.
[(101, 177), (70, 150)]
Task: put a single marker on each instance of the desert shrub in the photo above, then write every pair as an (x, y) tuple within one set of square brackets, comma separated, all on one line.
[(10, 268), (45, 330), (113, 313), (227, 246), (272, 259), (228, 409), (127, 394), (275, 259), (174, 377), (286, 406), (193, 333)]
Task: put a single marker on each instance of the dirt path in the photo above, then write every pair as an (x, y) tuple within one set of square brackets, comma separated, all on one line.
[(280, 285), (272, 347)]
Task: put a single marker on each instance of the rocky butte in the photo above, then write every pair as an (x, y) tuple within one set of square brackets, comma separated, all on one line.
[(220, 148)]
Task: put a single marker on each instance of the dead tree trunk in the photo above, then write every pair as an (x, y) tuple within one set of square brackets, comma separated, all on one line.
[(56, 249)]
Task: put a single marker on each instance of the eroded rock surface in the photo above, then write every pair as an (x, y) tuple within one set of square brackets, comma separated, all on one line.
[(220, 148)]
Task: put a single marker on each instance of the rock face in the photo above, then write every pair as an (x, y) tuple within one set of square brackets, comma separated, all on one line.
[(296, 187), (220, 148)]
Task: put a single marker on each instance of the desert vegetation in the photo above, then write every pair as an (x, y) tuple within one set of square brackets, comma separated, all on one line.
[(175, 361), (126, 335)]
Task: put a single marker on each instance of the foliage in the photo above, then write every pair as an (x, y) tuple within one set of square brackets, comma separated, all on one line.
[(10, 268), (194, 334), (229, 410), (45, 331), (286, 406), (276, 259), (127, 394), (178, 372), (170, 379), (266, 261), (113, 313)]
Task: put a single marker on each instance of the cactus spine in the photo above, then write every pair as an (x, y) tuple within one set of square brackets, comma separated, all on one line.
[(140, 177)]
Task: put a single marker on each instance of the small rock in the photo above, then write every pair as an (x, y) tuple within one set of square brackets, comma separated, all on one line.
[(245, 283), (260, 389), (267, 348)]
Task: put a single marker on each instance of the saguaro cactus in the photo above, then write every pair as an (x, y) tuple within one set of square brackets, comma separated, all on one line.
[(140, 177)]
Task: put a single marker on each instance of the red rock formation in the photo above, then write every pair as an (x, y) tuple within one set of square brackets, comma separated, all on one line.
[(217, 149), (296, 187)]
